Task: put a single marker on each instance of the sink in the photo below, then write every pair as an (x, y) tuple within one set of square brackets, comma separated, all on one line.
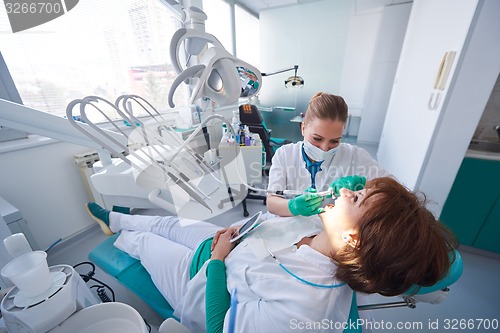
[(483, 145)]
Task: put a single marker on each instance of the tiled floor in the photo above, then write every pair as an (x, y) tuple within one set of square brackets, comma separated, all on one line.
[(475, 297)]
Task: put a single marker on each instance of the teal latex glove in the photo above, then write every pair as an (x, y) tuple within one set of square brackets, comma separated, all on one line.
[(353, 183), (306, 204)]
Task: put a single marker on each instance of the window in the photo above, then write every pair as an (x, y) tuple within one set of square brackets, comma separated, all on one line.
[(104, 48), (247, 37), (110, 48), (247, 29), (219, 22), (8, 92)]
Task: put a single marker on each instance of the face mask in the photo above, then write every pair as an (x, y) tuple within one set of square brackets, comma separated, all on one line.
[(317, 154)]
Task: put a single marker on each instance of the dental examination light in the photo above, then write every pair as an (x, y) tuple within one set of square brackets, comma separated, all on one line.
[(292, 81), (218, 76), (204, 65)]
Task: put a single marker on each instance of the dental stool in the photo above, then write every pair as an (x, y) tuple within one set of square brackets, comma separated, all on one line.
[(131, 274)]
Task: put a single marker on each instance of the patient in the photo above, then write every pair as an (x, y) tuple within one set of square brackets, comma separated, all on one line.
[(291, 272)]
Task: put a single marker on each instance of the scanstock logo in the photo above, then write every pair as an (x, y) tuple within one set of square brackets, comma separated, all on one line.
[(26, 14)]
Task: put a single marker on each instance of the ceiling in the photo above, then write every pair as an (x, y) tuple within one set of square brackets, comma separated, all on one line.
[(255, 6)]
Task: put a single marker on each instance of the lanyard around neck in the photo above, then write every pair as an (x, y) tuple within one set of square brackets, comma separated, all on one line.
[(312, 167), (304, 280)]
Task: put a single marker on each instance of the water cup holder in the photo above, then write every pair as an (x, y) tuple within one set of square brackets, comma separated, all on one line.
[(29, 273)]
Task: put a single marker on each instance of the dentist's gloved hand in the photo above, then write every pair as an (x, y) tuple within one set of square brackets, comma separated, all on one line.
[(353, 183), (306, 204)]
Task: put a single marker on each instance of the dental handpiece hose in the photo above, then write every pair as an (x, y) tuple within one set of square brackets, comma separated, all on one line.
[(292, 193), (284, 193)]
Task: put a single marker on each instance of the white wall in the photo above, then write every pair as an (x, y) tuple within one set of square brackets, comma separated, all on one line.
[(362, 33), (423, 147), (314, 36), (333, 42), (44, 183), (385, 59)]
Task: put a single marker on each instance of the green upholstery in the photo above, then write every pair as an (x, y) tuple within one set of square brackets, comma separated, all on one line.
[(453, 275), (131, 274), (353, 324)]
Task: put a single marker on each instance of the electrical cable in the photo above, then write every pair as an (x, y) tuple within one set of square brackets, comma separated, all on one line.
[(86, 263), (147, 325), (101, 287), (101, 291)]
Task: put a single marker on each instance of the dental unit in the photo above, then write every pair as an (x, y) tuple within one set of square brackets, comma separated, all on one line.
[(170, 170)]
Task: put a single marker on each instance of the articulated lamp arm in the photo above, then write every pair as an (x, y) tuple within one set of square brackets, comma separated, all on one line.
[(293, 81), (282, 71)]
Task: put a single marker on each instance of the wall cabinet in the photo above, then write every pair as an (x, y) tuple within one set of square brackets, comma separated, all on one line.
[(472, 209)]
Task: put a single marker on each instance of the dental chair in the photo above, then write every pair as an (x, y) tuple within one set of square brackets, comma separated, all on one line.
[(130, 273)]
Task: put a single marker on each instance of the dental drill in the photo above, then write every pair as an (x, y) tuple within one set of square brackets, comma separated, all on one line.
[(292, 193)]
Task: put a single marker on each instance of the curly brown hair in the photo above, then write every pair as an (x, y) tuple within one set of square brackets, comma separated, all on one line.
[(400, 243)]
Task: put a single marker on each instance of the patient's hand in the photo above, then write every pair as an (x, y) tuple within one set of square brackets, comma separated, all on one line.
[(221, 246), (232, 229)]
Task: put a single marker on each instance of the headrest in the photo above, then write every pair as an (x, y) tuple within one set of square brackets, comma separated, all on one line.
[(250, 115), (453, 275)]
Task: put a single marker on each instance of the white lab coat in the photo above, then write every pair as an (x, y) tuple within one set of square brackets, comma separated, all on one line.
[(274, 300), (269, 299), (288, 169)]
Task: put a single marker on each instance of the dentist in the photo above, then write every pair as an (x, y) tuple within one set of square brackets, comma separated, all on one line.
[(319, 162)]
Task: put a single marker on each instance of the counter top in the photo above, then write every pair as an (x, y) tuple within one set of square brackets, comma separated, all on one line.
[(272, 108), (484, 155)]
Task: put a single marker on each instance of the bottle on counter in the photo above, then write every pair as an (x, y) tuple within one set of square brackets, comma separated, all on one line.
[(235, 122), (242, 135), (248, 136)]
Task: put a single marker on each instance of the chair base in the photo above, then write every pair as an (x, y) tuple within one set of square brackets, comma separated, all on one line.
[(238, 193), (252, 196)]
